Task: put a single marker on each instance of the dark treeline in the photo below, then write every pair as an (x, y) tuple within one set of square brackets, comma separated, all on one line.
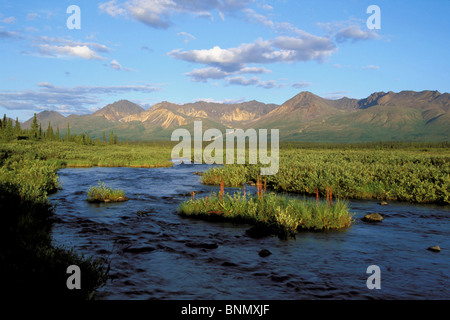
[(10, 130)]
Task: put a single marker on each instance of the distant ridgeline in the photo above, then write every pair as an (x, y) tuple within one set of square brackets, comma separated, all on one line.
[(404, 116)]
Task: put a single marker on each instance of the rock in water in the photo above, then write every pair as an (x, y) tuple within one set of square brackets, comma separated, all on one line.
[(383, 203), (259, 231), (202, 245), (138, 250), (373, 217), (264, 253), (434, 248)]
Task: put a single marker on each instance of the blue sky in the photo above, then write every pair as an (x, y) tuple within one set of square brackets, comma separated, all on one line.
[(181, 51)]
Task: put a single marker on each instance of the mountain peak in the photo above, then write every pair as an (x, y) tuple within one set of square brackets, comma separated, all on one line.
[(306, 94), (44, 117), (304, 99), (118, 110)]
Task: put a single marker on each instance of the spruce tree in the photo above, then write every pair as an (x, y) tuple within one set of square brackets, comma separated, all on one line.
[(8, 131), (50, 134), (34, 127), (17, 128)]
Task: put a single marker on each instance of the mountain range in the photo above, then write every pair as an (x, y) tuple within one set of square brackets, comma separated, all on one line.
[(382, 116)]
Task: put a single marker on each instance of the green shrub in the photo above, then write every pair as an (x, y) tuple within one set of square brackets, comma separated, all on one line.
[(395, 174), (101, 193), (31, 266)]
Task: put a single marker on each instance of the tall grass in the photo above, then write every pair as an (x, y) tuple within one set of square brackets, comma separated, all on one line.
[(101, 193), (282, 215), (231, 175), (71, 154), (414, 175), (31, 266)]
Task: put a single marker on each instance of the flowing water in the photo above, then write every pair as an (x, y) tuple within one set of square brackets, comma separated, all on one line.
[(156, 254)]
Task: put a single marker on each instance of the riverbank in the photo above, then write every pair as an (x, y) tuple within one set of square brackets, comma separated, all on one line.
[(417, 175), (31, 265)]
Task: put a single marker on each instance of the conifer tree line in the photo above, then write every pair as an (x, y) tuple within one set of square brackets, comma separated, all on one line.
[(10, 130)]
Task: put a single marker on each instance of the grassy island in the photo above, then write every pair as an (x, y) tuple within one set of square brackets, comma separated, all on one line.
[(101, 193), (279, 215)]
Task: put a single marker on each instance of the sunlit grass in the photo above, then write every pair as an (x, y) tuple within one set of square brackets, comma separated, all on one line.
[(31, 265), (420, 176), (284, 216), (102, 193), (74, 155)]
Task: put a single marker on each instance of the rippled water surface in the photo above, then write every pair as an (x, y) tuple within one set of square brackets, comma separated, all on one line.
[(156, 254)]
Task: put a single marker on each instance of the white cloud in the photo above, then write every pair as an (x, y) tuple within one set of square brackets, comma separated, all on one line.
[(115, 65), (69, 51), (64, 48), (187, 36), (32, 16), (255, 81), (158, 13), (51, 97), (279, 27), (112, 8), (229, 63), (9, 20), (300, 85), (204, 74), (243, 81), (372, 67), (354, 33), (266, 7), (351, 30), (45, 85), (281, 49), (254, 17)]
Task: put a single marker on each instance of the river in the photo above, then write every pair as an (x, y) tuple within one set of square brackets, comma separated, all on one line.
[(156, 254)]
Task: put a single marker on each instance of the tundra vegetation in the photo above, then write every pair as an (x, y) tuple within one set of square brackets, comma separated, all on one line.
[(414, 172), (102, 193), (279, 215), (30, 159)]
